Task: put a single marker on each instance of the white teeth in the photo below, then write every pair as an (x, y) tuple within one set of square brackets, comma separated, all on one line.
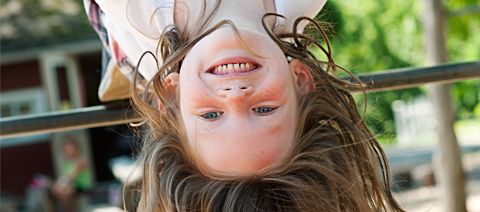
[(234, 67)]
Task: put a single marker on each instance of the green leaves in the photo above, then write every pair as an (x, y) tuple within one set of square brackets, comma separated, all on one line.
[(376, 35), (35, 23)]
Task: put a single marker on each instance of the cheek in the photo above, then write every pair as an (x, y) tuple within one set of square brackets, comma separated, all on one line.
[(192, 92), (274, 88)]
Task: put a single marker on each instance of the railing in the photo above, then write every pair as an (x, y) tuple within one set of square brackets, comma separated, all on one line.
[(121, 112)]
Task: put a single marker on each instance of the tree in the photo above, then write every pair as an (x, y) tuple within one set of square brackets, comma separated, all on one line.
[(379, 35)]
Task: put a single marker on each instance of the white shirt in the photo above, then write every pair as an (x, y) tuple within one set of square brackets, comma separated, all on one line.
[(137, 28)]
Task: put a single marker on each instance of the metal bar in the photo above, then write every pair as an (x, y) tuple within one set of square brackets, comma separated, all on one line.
[(415, 77), (469, 10), (122, 113), (81, 118)]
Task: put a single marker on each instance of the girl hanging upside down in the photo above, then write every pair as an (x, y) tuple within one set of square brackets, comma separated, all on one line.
[(239, 114)]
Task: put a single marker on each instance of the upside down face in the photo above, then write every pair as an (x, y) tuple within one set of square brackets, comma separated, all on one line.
[(238, 101)]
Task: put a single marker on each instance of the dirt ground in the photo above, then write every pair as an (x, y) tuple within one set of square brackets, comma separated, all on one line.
[(426, 199)]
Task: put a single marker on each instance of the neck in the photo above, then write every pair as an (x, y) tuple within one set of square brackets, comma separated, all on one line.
[(245, 14)]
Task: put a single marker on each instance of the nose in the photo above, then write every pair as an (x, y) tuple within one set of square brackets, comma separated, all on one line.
[(235, 92)]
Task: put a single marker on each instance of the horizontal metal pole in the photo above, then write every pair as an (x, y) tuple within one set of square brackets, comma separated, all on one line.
[(122, 113), (414, 77), (75, 119), (469, 10)]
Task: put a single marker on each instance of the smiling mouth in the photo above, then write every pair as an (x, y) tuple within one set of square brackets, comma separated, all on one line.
[(233, 66)]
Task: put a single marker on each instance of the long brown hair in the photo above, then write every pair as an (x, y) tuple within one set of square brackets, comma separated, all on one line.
[(335, 164)]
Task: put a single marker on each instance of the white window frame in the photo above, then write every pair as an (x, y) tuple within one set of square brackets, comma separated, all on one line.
[(37, 98)]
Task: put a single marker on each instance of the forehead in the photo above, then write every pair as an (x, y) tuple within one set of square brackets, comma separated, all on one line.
[(246, 150)]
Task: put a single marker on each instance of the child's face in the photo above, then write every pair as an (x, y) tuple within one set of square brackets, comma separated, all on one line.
[(70, 150), (241, 120)]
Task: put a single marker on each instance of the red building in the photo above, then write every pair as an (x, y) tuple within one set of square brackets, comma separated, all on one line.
[(50, 60)]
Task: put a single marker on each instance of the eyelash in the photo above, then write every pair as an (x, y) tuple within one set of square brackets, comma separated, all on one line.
[(206, 115), (262, 111), (269, 110)]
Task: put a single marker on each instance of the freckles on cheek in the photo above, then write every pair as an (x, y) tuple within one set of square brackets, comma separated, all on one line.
[(195, 95), (273, 91)]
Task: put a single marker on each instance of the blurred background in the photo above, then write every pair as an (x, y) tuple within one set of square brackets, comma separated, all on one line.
[(51, 57)]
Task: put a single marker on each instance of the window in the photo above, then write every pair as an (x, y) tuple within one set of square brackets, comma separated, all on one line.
[(22, 102)]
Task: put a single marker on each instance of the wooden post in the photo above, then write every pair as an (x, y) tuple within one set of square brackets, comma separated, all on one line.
[(448, 159)]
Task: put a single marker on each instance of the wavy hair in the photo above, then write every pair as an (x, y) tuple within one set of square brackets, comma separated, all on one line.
[(335, 163)]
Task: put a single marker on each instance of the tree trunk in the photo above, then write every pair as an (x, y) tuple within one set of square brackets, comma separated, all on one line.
[(448, 158)]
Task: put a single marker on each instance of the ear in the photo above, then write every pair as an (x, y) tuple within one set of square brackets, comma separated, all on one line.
[(170, 85), (303, 77)]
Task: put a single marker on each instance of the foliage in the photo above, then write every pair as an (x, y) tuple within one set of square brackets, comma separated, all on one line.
[(34, 23), (378, 35)]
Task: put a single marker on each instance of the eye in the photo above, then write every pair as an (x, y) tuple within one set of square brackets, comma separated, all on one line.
[(211, 115), (263, 110)]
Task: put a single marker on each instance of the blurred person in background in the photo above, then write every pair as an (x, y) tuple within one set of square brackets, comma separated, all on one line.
[(76, 179)]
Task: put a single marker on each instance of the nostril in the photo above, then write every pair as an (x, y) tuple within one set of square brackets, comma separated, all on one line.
[(244, 90)]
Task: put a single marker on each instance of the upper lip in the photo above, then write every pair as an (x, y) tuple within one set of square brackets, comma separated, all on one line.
[(234, 60)]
